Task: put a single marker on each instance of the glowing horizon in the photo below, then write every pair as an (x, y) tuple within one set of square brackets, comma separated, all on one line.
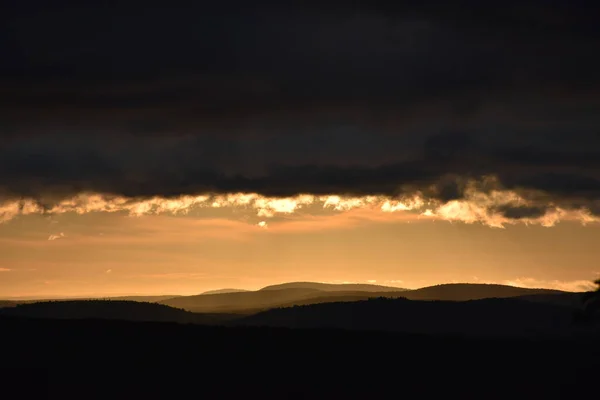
[(475, 207)]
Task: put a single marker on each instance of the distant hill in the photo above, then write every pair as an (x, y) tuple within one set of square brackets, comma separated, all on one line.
[(331, 287), (560, 298), (487, 316), (472, 291), (337, 297), (240, 301), (305, 293), (288, 295), (147, 299), (223, 291), (102, 309)]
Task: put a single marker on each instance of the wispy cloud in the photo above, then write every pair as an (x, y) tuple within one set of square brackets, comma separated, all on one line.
[(568, 286), (395, 281), (5, 269), (56, 236)]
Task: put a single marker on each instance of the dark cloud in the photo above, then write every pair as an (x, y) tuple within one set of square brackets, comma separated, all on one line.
[(522, 212), (346, 97)]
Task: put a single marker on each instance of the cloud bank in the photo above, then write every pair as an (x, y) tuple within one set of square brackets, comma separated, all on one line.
[(496, 208), (483, 112)]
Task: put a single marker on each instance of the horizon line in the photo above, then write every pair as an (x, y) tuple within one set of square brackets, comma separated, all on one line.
[(116, 295)]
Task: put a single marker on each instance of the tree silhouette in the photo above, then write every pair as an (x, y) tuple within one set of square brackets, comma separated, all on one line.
[(591, 303)]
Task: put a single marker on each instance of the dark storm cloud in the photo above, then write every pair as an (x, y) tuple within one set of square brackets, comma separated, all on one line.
[(361, 98)]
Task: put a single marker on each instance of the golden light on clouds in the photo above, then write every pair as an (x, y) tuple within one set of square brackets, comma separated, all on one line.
[(475, 207)]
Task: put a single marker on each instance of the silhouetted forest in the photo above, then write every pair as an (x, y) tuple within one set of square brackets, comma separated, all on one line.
[(527, 345), (495, 316), (116, 359)]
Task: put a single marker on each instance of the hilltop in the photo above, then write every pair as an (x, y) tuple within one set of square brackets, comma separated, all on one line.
[(102, 309), (440, 309), (142, 299), (223, 291), (494, 316), (472, 291), (332, 287), (304, 293), (239, 301)]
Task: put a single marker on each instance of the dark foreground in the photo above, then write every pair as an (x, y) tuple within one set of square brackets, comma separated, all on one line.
[(137, 360)]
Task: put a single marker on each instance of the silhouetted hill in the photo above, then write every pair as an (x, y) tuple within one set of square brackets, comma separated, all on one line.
[(471, 291), (103, 309), (100, 359), (238, 302), (337, 297), (145, 299), (331, 287), (487, 316), (271, 297), (561, 298), (248, 302), (447, 292), (223, 291)]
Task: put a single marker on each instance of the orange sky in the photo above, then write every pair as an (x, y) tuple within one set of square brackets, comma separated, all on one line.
[(101, 253)]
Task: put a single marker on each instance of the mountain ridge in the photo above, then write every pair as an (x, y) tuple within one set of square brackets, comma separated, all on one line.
[(332, 286), (275, 296)]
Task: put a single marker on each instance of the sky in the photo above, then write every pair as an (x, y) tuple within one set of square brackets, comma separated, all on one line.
[(173, 150)]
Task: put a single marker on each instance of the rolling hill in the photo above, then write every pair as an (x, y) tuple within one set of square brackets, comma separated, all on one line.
[(333, 287), (508, 316), (472, 291), (223, 291), (305, 293), (103, 309), (291, 295), (533, 313), (144, 299), (240, 301)]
